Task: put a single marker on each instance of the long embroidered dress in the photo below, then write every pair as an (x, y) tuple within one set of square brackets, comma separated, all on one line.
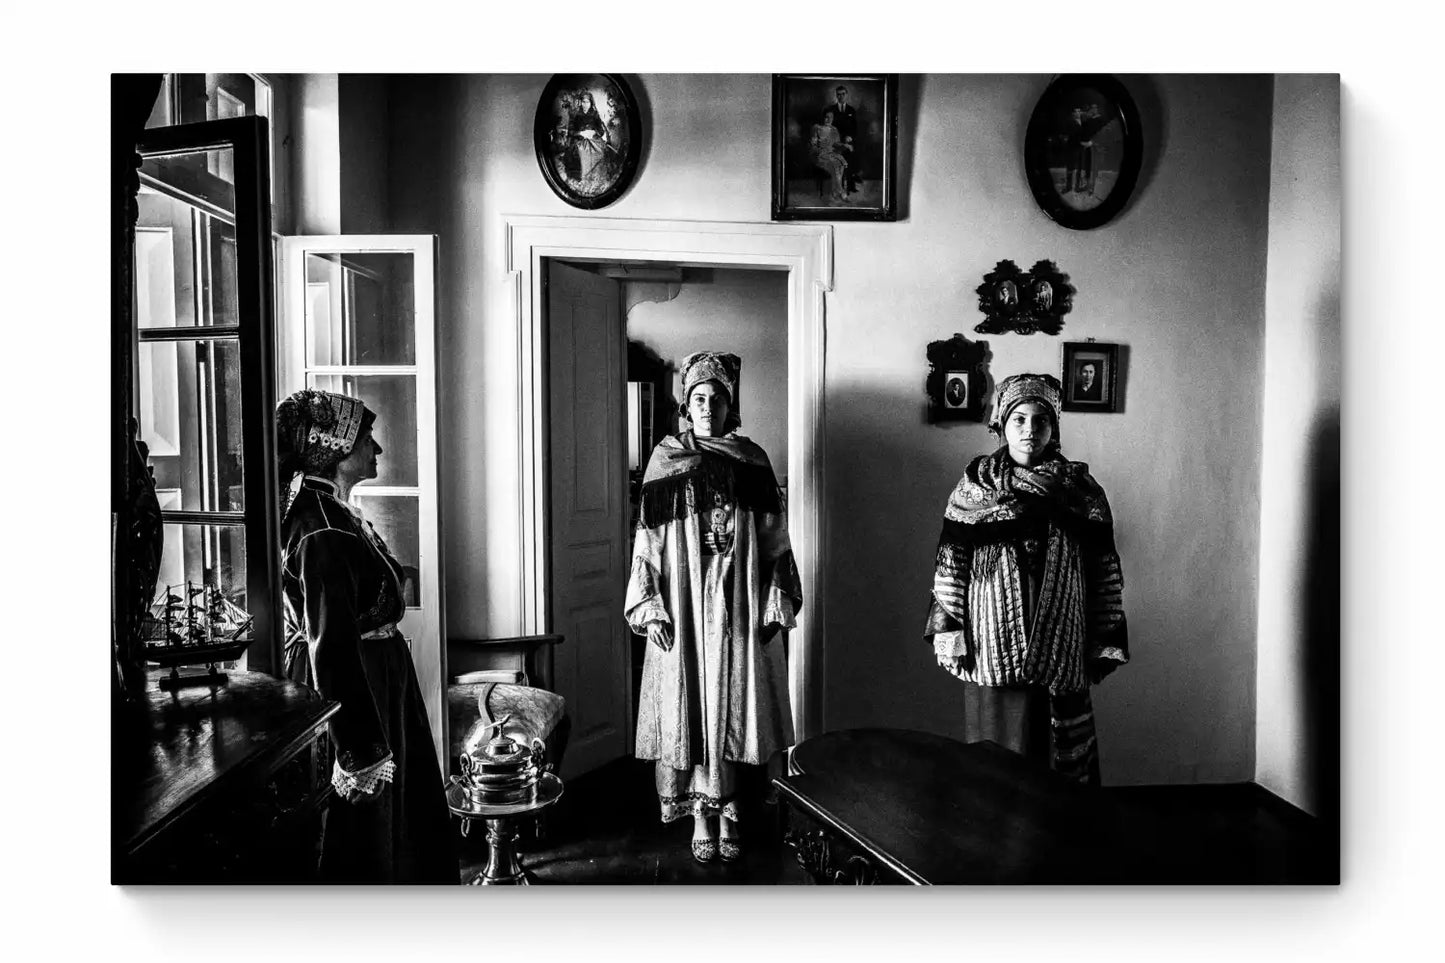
[(711, 558), (342, 588)]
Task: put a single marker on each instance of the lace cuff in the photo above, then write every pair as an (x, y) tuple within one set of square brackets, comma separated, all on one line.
[(1110, 653), (698, 805), (950, 645), (649, 611), (367, 781), (778, 610)]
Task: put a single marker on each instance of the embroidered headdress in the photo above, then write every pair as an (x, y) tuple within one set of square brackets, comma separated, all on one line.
[(721, 368), (1021, 388), (315, 430)]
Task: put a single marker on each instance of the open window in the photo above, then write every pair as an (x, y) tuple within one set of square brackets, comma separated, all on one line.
[(201, 361)]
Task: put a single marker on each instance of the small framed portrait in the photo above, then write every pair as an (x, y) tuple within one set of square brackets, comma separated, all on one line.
[(588, 138), (957, 379), (1090, 376), (835, 147), (1083, 150), (955, 389)]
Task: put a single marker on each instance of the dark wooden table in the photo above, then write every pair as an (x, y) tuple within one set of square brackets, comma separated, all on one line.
[(219, 784), (890, 805)]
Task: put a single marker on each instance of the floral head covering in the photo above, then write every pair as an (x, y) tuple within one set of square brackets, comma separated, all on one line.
[(315, 430), (719, 367), (1021, 388)]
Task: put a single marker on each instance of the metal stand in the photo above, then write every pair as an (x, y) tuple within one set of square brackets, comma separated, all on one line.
[(503, 868)]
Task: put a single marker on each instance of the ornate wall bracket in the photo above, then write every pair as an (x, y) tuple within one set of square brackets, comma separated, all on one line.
[(1024, 301)]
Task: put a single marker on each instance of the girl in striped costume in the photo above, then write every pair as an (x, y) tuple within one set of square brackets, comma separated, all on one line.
[(1027, 603)]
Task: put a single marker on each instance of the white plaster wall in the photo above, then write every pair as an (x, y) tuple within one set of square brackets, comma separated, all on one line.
[(745, 312), (315, 175), (1178, 278), (1298, 646)]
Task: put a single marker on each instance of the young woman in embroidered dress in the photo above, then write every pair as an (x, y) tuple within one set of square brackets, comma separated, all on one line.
[(343, 594), (713, 586), (1027, 604)]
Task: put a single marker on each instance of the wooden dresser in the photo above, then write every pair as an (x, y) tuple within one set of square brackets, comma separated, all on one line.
[(224, 785)]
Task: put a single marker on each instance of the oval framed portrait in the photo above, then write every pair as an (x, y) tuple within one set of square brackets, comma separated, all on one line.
[(588, 137), (1083, 150)]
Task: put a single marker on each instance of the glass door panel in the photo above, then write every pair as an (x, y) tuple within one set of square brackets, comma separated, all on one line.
[(394, 399), (360, 309), (359, 319)]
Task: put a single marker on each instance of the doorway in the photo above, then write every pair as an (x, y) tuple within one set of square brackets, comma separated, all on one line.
[(805, 253), (616, 335)]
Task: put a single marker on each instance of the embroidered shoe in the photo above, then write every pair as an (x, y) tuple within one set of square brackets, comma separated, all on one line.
[(731, 850), (703, 850)]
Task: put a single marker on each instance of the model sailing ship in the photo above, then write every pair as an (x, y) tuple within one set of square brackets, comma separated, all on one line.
[(195, 625)]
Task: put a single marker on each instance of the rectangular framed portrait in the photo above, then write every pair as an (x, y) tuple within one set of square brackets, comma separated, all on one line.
[(835, 147), (1090, 376)]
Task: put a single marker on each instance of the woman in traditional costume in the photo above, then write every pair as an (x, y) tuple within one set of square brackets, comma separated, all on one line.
[(343, 593), (1027, 603), (713, 586), (587, 144), (825, 145)]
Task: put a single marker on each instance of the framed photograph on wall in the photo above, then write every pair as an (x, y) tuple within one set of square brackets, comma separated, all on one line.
[(1083, 150), (957, 379), (1090, 376), (588, 138), (835, 147)]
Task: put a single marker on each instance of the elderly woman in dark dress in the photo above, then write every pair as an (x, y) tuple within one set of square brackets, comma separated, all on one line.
[(1027, 605), (343, 594)]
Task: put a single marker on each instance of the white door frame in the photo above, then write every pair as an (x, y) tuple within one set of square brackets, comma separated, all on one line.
[(806, 253)]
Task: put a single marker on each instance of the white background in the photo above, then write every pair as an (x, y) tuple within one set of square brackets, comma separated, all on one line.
[(58, 901)]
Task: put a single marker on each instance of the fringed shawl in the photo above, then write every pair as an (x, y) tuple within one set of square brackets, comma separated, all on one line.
[(688, 474), (997, 498), (1073, 631)]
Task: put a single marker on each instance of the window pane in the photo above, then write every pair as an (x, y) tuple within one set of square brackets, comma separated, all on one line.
[(189, 408), (219, 304), (393, 398), (397, 519), (205, 176), (185, 265), (203, 555), (360, 309)]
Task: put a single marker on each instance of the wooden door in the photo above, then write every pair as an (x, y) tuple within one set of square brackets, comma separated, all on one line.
[(588, 512)]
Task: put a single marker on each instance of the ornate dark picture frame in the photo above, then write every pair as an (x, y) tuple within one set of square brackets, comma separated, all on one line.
[(1090, 376), (1083, 150), (588, 138), (957, 379), (1024, 301), (835, 160)]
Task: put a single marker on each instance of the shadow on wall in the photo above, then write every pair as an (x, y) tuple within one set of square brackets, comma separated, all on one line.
[(880, 671), (644, 113), (1154, 126), (1320, 616), (910, 95)]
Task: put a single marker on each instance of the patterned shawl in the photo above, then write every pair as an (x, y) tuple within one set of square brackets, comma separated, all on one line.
[(687, 474), (996, 501), (996, 497)]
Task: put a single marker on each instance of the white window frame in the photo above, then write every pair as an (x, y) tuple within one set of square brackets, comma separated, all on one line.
[(426, 627)]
